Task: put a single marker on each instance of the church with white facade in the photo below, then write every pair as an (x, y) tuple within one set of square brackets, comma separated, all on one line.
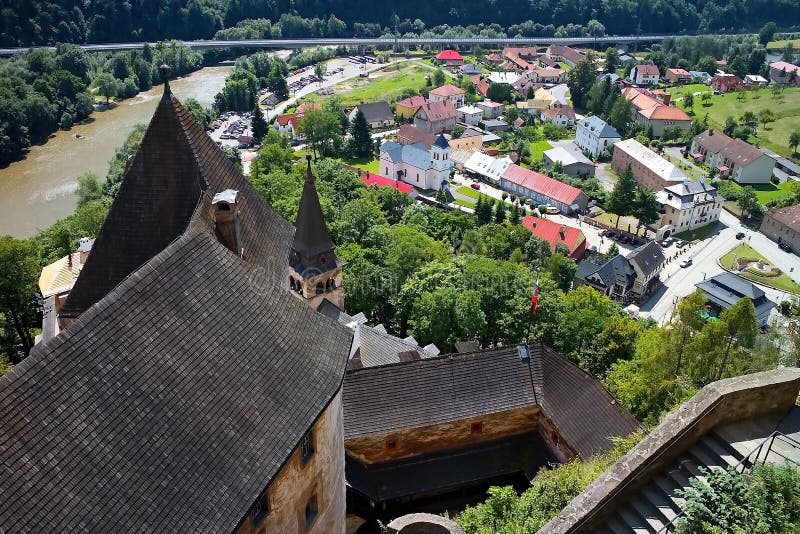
[(416, 164)]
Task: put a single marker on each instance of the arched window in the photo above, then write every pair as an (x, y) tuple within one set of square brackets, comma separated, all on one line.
[(292, 284), (330, 285), (320, 289)]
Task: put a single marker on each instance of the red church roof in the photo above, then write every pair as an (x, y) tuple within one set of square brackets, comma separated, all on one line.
[(446, 55), (382, 181), (555, 233)]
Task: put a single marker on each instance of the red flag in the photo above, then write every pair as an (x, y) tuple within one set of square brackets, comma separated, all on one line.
[(535, 299)]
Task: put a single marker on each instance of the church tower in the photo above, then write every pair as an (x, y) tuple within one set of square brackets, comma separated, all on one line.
[(315, 273), (440, 162)]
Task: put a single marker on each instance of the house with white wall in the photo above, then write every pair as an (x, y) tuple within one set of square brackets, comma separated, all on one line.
[(593, 135), (416, 164)]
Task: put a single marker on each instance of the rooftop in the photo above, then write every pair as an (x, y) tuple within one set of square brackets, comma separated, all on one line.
[(789, 216), (566, 157), (599, 127), (447, 90), (738, 151), (649, 159), (448, 55), (554, 232), (549, 187)]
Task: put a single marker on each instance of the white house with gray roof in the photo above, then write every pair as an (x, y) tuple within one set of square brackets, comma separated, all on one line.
[(416, 164), (593, 135), (686, 206)]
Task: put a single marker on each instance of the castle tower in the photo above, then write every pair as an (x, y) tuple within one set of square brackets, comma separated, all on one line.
[(315, 273), (440, 161)]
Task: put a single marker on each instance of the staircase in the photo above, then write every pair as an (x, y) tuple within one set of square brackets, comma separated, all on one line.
[(652, 507)]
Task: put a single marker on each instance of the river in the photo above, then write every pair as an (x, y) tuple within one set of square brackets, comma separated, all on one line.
[(40, 189)]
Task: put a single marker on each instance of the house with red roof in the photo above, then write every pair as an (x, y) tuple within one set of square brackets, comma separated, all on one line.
[(725, 83), (649, 111), (543, 189), (405, 109), (482, 86), (449, 58), (784, 73), (678, 76), (448, 91), (286, 124), (555, 233), (559, 115), (645, 74), (305, 107)]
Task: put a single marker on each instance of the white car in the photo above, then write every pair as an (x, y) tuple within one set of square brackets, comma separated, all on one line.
[(687, 262)]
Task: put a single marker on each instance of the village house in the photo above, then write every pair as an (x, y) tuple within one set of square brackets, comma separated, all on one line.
[(726, 289), (491, 110), (650, 170), (573, 163), (784, 73), (624, 279), (732, 157), (594, 136), (469, 115), (482, 86), (486, 167), (470, 69), (521, 58), (503, 77), (687, 206), (626, 59), (785, 169), (678, 76), (407, 107), (378, 114), (436, 117), (449, 58), (644, 74), (699, 76), (287, 124), (755, 80), (471, 140), (494, 125), (455, 95), (424, 167), (543, 189), (494, 57), (559, 115), (408, 134), (782, 225), (556, 233), (549, 76), (653, 111), (724, 83), (542, 99), (565, 54), (546, 62)]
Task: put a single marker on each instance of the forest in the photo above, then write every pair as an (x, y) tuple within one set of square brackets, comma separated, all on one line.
[(47, 22)]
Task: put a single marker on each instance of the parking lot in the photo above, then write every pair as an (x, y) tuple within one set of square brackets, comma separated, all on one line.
[(232, 129)]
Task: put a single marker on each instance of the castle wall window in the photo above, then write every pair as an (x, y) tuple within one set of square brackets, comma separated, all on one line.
[(260, 510), (307, 446), (320, 289), (312, 509)]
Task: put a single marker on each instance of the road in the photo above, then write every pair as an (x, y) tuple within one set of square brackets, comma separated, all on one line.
[(679, 282), (380, 41)]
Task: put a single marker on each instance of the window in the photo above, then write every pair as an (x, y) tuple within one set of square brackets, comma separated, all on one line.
[(476, 427), (260, 510), (311, 511), (307, 446), (391, 444)]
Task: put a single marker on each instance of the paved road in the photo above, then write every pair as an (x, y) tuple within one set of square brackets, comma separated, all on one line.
[(385, 42)]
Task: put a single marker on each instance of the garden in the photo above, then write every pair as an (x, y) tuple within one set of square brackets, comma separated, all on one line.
[(747, 263)]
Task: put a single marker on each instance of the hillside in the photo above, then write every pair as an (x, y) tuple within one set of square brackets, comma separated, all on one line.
[(36, 22)]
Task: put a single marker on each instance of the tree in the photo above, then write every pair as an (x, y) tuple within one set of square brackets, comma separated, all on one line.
[(687, 321), (276, 82), (748, 201), (580, 81), (767, 32), (612, 251), (106, 85), (89, 189), (765, 116), (622, 199), (438, 78), (562, 270), (620, 116), (707, 64), (259, 124), (612, 59), (794, 140), (319, 71), (595, 28), (500, 92), (357, 218), (730, 126), (322, 129), (500, 212), (741, 326), (705, 97), (645, 208), (688, 101), (361, 140), (19, 272), (483, 210), (749, 118), (536, 252)]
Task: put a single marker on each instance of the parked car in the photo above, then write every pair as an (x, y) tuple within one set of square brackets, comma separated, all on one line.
[(687, 262), (624, 240), (784, 246), (552, 210), (740, 235), (680, 244), (664, 243), (476, 186)]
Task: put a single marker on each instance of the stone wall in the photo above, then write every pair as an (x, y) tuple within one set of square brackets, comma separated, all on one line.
[(412, 442), (321, 475), (716, 404)]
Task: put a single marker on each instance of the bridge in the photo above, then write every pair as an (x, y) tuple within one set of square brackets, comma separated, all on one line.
[(376, 42)]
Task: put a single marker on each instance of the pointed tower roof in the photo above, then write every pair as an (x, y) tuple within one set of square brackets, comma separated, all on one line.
[(441, 142), (176, 163), (311, 235)]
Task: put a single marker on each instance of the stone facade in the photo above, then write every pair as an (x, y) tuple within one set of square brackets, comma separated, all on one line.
[(314, 289), (319, 477)]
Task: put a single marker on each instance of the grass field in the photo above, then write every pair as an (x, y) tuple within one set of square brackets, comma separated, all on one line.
[(690, 170), (699, 234), (365, 164), (780, 45), (384, 84), (776, 136), (464, 203), (469, 192), (624, 222), (538, 148), (728, 261), (768, 192), (679, 90)]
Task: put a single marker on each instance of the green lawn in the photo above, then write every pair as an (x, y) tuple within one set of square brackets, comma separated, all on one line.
[(728, 261), (611, 220), (384, 84), (780, 45), (365, 164), (464, 203), (690, 170), (538, 148), (698, 234), (469, 192), (776, 135), (768, 192), (680, 90)]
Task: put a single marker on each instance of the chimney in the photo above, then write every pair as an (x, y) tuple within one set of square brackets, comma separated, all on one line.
[(666, 98), (710, 132), (226, 220), (562, 231), (84, 247)]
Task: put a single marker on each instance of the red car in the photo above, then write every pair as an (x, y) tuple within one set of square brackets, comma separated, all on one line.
[(475, 186)]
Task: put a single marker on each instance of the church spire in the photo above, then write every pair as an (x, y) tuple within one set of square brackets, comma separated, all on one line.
[(311, 237)]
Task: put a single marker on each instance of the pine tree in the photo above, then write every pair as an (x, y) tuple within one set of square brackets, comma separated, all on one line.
[(622, 199), (514, 218), (362, 141), (259, 125), (500, 213), (484, 210)]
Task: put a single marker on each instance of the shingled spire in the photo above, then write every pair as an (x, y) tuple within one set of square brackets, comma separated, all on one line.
[(316, 271)]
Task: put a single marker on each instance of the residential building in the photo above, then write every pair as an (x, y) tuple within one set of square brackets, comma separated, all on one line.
[(565, 54), (305, 107), (624, 279), (687, 206), (503, 77), (784, 73), (678, 76), (449, 58), (491, 110), (469, 115), (653, 111), (482, 86), (494, 125), (486, 167), (626, 59), (645, 74), (178, 397), (782, 225), (378, 114), (546, 62), (724, 83), (699, 76), (521, 58), (407, 107), (594, 136), (573, 163), (436, 117), (726, 289), (549, 76), (418, 165), (494, 57), (559, 115), (471, 140), (785, 169), (469, 69), (408, 134), (650, 170), (556, 233), (734, 158), (543, 189), (455, 95), (756, 79), (542, 99), (728, 424), (287, 124)]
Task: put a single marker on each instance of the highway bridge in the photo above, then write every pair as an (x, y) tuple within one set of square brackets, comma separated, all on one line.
[(376, 42)]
